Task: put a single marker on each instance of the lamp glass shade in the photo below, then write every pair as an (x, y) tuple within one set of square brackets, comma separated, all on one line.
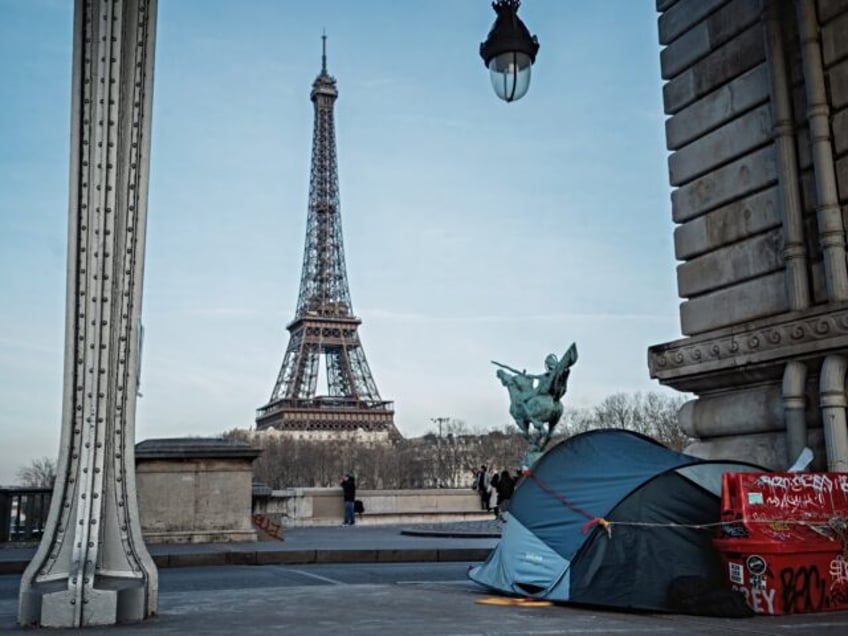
[(510, 75)]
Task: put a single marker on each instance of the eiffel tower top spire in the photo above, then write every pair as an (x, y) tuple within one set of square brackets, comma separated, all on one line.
[(324, 84), (323, 52), (323, 284)]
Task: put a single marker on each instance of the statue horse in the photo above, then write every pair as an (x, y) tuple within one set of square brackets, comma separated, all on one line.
[(535, 414)]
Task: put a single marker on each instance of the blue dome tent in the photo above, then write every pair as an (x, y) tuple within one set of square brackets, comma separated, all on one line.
[(610, 518)]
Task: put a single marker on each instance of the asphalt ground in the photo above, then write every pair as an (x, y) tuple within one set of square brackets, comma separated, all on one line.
[(358, 583), (463, 541)]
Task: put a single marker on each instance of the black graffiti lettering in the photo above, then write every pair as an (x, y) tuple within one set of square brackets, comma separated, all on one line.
[(803, 590)]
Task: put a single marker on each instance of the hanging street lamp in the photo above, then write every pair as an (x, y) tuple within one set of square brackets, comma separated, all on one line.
[(509, 51)]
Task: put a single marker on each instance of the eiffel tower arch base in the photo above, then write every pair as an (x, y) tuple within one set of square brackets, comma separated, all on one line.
[(321, 420)]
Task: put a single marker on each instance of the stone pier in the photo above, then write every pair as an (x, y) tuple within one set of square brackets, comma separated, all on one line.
[(92, 567), (757, 97)]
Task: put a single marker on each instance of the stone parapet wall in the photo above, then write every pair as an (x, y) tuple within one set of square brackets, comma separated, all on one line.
[(298, 507)]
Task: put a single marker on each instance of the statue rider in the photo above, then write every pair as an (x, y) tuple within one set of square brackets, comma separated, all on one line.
[(535, 399)]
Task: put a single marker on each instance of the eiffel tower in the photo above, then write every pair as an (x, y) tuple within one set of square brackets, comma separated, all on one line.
[(324, 324)]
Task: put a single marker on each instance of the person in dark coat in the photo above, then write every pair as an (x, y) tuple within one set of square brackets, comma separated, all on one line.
[(506, 486), (481, 481), (493, 494), (349, 492)]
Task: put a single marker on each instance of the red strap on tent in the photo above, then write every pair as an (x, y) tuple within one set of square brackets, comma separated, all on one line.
[(606, 525), (593, 520)]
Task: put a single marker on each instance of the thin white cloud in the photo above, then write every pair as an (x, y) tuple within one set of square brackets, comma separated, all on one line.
[(376, 82), (230, 311), (383, 314), (18, 347)]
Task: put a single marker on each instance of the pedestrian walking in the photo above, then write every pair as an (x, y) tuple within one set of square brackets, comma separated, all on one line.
[(506, 486), (349, 493), (493, 493), (481, 483)]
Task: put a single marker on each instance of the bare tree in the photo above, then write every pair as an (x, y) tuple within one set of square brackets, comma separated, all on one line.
[(39, 473), (620, 410), (661, 412), (502, 449), (575, 421), (651, 414)]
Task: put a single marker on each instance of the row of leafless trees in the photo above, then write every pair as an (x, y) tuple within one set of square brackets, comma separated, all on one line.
[(651, 414), (450, 459), (424, 462), (432, 461)]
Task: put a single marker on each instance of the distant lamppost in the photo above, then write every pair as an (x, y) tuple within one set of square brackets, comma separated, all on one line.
[(440, 468), (509, 51)]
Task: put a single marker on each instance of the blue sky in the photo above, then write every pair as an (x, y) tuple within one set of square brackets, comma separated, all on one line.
[(474, 230)]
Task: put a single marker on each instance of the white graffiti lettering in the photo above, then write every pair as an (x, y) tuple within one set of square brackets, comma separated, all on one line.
[(802, 491), (765, 595), (800, 481), (839, 570), (761, 601), (788, 500)]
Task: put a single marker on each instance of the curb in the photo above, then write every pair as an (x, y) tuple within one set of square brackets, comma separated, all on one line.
[(296, 557), (447, 534)]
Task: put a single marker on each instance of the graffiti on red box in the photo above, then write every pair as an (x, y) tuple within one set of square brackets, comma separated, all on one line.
[(808, 494), (803, 589), (791, 589), (786, 506), (788, 549)]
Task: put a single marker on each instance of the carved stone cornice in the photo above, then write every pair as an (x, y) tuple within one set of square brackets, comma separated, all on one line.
[(810, 334)]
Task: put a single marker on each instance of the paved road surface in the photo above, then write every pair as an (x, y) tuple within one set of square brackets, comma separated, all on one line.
[(366, 599)]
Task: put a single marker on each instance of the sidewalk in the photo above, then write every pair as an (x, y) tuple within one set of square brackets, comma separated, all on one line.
[(461, 541), (409, 607)]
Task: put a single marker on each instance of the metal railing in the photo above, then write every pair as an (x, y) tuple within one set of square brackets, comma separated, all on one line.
[(23, 513), (328, 402)]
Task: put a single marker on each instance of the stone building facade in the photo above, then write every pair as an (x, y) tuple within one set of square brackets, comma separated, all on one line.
[(757, 97)]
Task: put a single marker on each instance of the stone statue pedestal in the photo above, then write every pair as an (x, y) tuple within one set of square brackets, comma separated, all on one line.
[(530, 458)]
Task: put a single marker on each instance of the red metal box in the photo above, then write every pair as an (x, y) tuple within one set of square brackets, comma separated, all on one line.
[(783, 540)]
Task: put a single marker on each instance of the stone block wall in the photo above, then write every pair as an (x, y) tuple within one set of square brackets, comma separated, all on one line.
[(759, 204), (193, 490), (298, 507), (722, 164)]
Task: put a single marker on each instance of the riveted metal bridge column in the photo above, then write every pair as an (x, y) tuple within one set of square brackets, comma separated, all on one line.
[(92, 567)]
